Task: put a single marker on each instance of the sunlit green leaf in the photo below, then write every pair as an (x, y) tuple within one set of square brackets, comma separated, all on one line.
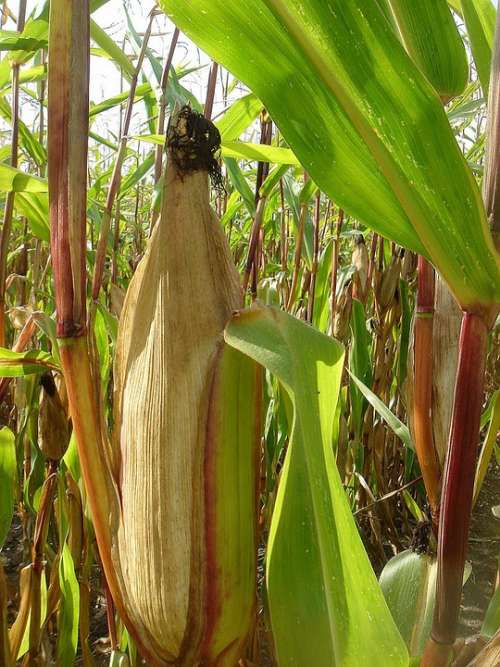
[(366, 128), (479, 18), (400, 429), (69, 613), (431, 37), (322, 593), (409, 585), (18, 181), (8, 476), (18, 364)]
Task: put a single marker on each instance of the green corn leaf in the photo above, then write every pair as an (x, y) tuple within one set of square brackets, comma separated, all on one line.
[(10, 40), (369, 119), (488, 445), (240, 184), (258, 152), (8, 475), (69, 615), (18, 364), (491, 623), (240, 150), (431, 37), (359, 362), (111, 49), (15, 180), (238, 117), (400, 429), (141, 91), (135, 176), (409, 585), (456, 6), (323, 595), (479, 16), (35, 206)]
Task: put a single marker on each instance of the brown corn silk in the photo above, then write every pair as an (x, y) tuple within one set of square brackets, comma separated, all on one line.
[(186, 462)]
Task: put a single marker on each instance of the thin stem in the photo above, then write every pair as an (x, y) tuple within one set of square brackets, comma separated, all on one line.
[(211, 85), (160, 129), (335, 268), (114, 185), (9, 202), (314, 270)]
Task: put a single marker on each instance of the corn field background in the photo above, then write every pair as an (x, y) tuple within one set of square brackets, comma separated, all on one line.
[(249, 342)]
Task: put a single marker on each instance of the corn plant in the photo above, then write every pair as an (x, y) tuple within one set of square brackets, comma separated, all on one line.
[(233, 418)]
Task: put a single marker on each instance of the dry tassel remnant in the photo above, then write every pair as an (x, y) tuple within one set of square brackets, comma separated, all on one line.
[(187, 412)]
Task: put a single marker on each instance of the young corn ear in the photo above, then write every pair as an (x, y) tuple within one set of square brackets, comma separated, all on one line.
[(187, 429)]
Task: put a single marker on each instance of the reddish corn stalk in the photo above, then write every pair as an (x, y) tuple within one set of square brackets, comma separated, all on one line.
[(251, 264), (67, 147), (459, 481), (422, 399), (68, 85), (212, 83)]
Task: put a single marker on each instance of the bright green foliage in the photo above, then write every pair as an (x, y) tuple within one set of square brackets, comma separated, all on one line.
[(359, 363), (491, 623), (400, 429), (325, 604), (18, 181), (8, 475), (18, 364), (479, 18), (431, 37), (70, 609), (369, 129), (238, 117), (409, 585)]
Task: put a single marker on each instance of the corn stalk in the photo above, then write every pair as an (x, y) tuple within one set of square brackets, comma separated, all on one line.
[(180, 450)]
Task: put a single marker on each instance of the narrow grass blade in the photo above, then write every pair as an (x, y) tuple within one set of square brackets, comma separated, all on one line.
[(400, 429)]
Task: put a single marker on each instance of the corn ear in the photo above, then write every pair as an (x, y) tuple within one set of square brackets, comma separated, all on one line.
[(186, 418)]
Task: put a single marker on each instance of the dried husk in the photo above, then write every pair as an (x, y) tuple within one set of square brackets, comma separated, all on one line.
[(446, 335), (53, 425), (187, 430)]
